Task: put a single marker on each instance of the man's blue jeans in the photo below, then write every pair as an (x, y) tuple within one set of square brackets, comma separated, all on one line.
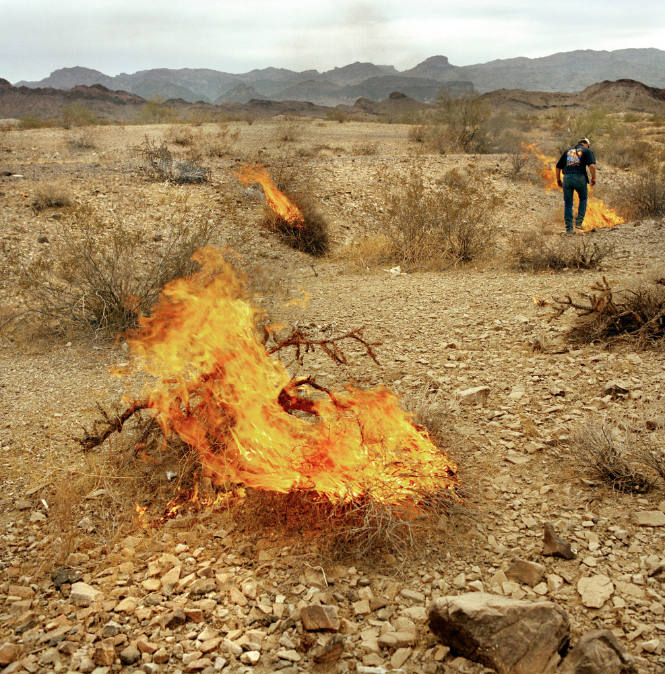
[(574, 183)]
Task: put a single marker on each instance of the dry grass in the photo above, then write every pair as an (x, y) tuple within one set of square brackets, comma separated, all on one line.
[(51, 195), (102, 275), (534, 252), (597, 450)]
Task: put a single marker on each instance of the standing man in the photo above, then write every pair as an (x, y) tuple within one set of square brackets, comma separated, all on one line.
[(573, 163)]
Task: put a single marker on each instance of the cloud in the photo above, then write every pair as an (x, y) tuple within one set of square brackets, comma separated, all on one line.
[(128, 35)]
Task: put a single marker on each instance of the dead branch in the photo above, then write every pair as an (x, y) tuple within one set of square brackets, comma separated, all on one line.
[(303, 343)]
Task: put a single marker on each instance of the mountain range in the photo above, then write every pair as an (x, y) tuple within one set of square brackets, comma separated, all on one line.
[(563, 72)]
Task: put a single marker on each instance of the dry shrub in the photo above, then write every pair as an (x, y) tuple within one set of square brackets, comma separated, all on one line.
[(365, 148), (654, 458), (180, 135), (432, 228), (159, 163), (220, 144), (310, 236), (645, 195), (288, 133), (636, 314), (102, 275), (534, 252), (83, 140), (51, 195), (598, 451)]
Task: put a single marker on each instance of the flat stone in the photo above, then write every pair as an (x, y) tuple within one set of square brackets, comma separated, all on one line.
[(595, 590), (320, 617), (127, 605), (83, 594), (649, 518), (250, 657), (477, 395), (526, 572)]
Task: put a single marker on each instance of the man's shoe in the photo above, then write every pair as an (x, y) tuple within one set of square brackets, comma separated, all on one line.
[(579, 228)]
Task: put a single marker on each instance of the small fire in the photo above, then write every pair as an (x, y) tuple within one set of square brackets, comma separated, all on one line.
[(220, 392), (276, 199), (598, 214)]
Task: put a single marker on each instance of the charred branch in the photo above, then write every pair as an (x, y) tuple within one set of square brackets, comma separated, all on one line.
[(304, 343), (104, 427)]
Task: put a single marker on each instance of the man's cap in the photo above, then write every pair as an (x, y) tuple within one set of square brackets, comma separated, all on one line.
[(583, 140)]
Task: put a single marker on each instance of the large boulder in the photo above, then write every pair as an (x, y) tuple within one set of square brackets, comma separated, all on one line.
[(512, 636), (597, 652)]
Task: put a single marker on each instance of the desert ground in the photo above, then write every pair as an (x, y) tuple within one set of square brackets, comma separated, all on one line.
[(218, 590)]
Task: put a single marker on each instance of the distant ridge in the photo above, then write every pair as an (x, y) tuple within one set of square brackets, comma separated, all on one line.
[(568, 72)]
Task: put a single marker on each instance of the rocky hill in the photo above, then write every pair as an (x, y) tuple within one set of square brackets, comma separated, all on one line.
[(620, 96), (563, 72)]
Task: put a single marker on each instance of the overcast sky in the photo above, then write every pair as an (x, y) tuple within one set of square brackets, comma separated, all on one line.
[(39, 36)]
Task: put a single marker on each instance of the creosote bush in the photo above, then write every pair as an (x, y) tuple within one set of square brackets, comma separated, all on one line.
[(102, 275), (433, 227), (159, 163), (310, 236), (535, 252), (645, 196)]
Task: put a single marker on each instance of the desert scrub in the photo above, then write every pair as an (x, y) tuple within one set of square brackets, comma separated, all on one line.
[(535, 252), (596, 449), (635, 314), (645, 196), (434, 227), (50, 195), (159, 163), (101, 274)]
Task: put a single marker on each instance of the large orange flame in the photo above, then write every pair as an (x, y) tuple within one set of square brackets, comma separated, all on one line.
[(220, 392), (276, 199), (598, 214)]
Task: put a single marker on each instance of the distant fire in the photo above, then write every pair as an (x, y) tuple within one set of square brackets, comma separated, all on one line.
[(276, 199), (218, 390), (598, 214)]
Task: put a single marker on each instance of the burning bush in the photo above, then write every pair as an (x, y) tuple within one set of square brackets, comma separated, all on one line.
[(295, 219), (432, 228), (534, 252), (636, 313), (221, 392), (103, 275)]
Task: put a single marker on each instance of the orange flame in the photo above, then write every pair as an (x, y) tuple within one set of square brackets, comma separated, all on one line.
[(276, 199), (598, 214), (220, 392)]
